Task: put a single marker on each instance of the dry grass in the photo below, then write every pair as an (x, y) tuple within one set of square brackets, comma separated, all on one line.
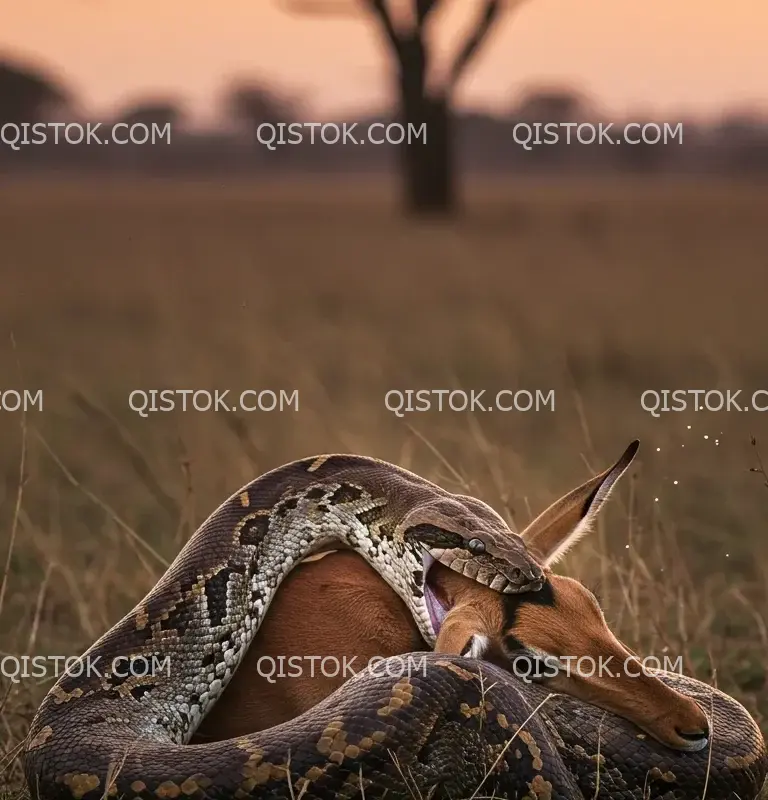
[(598, 291)]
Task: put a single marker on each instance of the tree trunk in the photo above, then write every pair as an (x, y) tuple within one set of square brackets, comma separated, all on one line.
[(427, 160)]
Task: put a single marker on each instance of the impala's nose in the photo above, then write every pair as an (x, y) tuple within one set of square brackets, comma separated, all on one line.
[(698, 736)]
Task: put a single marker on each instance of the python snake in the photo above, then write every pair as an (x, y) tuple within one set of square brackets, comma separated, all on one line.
[(108, 729)]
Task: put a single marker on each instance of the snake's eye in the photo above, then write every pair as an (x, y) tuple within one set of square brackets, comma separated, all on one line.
[(476, 546)]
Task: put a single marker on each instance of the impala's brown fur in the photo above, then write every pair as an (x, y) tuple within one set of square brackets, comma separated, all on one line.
[(338, 606)]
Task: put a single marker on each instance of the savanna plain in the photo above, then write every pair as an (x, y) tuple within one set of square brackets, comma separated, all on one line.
[(597, 290)]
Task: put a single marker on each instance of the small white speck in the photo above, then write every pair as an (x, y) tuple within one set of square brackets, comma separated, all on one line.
[(727, 555), (689, 427), (657, 449), (626, 547), (655, 499), (675, 482), (705, 436)]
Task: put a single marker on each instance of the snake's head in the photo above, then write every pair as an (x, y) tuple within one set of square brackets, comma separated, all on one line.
[(470, 538)]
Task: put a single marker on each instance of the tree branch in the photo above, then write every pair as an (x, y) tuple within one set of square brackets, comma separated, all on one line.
[(325, 7), (423, 9), (379, 9), (488, 16)]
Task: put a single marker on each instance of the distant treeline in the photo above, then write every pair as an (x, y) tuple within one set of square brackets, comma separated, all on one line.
[(483, 144), (254, 120)]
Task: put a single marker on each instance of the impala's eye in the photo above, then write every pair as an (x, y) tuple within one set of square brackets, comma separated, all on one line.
[(476, 546)]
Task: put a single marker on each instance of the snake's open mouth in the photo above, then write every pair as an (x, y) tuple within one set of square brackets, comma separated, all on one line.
[(437, 606)]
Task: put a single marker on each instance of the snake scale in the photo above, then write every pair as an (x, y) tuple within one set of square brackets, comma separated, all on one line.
[(109, 730)]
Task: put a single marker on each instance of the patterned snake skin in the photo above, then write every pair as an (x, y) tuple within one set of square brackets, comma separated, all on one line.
[(119, 728)]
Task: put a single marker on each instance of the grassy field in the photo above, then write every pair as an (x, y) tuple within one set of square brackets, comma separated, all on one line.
[(598, 291)]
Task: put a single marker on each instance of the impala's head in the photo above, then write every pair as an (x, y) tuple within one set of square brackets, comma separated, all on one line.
[(472, 539), (558, 635)]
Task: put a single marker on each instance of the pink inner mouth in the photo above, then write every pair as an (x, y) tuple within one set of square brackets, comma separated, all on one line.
[(436, 606)]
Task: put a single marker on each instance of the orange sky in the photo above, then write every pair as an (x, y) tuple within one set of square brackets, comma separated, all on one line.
[(656, 56)]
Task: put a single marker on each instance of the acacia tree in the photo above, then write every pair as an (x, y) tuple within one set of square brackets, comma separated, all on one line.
[(427, 168)]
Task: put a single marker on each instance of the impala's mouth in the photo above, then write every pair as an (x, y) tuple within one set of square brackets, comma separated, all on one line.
[(692, 742)]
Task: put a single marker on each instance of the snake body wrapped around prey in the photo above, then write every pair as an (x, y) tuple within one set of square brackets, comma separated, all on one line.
[(112, 731)]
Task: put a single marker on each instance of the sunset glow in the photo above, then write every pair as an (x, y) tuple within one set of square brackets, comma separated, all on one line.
[(688, 56)]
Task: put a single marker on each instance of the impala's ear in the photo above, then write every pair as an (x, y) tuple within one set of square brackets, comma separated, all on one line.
[(558, 528)]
